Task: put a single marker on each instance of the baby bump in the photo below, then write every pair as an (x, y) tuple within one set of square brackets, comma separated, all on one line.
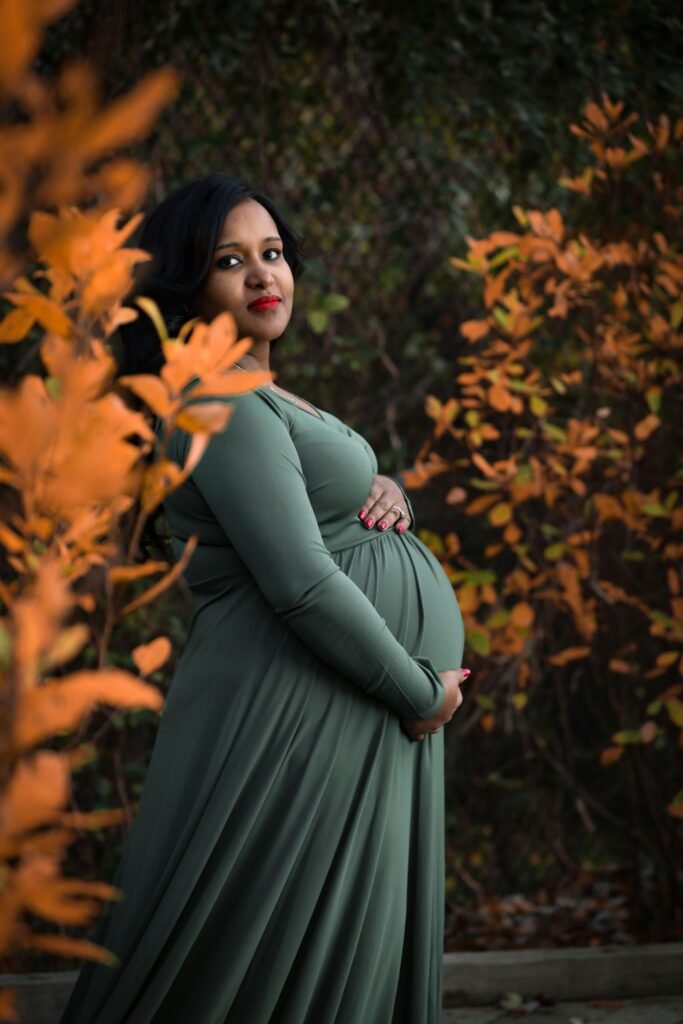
[(410, 590)]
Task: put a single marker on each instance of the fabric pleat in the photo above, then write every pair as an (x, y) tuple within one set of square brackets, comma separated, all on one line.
[(286, 863)]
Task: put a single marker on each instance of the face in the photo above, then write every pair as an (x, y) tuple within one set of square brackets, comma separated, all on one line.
[(249, 275)]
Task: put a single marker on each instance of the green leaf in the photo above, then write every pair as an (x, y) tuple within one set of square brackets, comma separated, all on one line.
[(502, 317), (557, 433), (501, 257), (626, 736), (477, 641), (498, 619), (335, 303), (318, 320), (485, 702), (538, 405)]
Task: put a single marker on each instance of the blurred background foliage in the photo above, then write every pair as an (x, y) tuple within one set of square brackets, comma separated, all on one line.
[(389, 133)]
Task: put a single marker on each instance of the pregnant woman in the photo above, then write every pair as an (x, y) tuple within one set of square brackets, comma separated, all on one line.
[(286, 864)]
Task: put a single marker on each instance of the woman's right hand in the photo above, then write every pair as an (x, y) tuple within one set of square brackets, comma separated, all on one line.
[(417, 728)]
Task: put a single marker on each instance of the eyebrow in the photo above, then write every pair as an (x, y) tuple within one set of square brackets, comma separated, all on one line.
[(236, 245)]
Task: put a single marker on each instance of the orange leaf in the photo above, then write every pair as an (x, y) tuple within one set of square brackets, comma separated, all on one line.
[(473, 330), (646, 426), (48, 313), (36, 793), (153, 392), (512, 533), (128, 573), (210, 417), (611, 754), (16, 325), (456, 495), (163, 584), (569, 654), (131, 116), (94, 819), (8, 1006), (150, 657), (60, 705), (488, 721), (499, 397), (63, 946), (623, 667), (522, 615)]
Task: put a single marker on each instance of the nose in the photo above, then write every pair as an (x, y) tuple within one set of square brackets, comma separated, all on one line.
[(259, 276)]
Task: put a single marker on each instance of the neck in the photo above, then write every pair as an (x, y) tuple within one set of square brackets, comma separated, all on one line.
[(257, 358)]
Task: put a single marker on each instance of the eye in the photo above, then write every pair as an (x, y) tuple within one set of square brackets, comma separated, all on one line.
[(278, 252), (222, 262)]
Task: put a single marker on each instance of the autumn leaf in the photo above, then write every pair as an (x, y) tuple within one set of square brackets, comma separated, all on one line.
[(60, 705), (150, 657), (569, 654)]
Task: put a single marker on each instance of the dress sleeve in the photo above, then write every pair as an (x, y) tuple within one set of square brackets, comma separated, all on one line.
[(251, 477)]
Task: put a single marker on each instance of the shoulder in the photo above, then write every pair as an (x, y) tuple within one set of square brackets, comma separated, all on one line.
[(254, 417)]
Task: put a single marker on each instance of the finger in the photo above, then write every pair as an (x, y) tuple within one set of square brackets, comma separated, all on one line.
[(364, 513), (380, 512), (402, 523)]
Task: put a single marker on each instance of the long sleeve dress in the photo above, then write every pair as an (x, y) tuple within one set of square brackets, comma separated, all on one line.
[(286, 863)]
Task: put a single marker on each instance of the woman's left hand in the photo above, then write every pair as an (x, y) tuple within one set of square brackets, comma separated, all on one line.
[(377, 511)]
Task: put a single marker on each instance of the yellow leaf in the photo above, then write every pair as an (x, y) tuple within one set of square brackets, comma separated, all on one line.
[(153, 312), (67, 645), (500, 514)]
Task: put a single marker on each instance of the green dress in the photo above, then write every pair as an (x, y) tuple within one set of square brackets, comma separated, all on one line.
[(286, 864)]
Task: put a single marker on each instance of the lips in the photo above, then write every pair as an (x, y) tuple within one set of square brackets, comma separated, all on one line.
[(264, 303)]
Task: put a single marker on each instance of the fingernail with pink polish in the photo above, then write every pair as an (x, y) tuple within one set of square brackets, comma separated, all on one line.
[(369, 522), (383, 525), (362, 514), (400, 528), (467, 672)]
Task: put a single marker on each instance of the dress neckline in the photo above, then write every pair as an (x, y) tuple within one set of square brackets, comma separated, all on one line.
[(317, 414)]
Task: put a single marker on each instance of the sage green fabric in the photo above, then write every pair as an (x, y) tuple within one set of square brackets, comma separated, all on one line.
[(286, 864)]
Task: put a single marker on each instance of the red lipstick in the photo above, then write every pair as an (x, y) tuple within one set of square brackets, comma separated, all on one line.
[(265, 302)]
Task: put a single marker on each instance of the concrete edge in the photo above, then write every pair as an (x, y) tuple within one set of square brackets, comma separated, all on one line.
[(564, 975), (469, 979)]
